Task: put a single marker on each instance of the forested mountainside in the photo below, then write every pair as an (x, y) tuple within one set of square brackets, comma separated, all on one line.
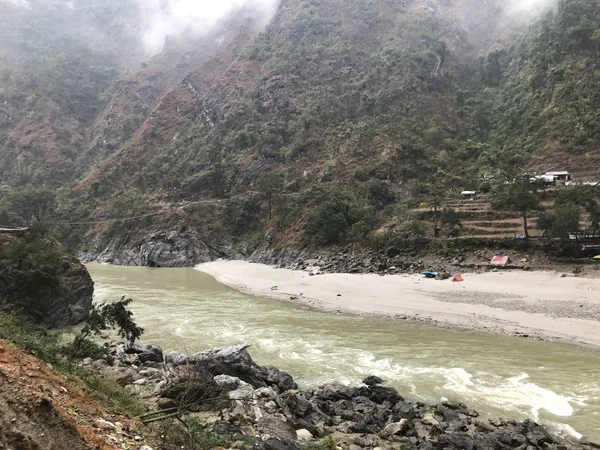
[(337, 119)]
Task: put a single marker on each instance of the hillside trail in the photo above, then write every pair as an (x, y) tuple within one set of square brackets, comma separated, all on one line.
[(42, 410)]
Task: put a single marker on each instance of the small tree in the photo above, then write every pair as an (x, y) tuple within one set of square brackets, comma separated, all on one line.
[(586, 197), (451, 220), (436, 190), (517, 194), (107, 316), (562, 223), (269, 185), (32, 205)]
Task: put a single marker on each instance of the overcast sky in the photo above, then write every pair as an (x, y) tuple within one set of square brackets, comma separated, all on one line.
[(163, 18)]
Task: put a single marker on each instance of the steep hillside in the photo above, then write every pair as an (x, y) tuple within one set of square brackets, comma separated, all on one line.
[(550, 98), (42, 410), (328, 96), (338, 119), (57, 68)]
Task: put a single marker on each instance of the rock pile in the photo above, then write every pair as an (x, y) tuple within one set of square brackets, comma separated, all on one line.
[(237, 397)]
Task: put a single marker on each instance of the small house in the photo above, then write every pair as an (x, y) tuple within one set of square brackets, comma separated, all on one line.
[(560, 176)]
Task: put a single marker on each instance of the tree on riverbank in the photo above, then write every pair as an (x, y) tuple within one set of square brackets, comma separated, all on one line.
[(518, 194)]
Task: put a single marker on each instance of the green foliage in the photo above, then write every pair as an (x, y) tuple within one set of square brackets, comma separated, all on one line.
[(32, 205), (242, 214), (551, 92), (450, 220), (46, 346), (30, 272), (519, 194), (377, 193), (560, 224), (195, 434), (370, 97), (327, 443), (584, 197), (103, 317), (269, 185), (333, 218)]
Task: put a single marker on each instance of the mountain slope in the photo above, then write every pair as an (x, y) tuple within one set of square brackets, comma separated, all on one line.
[(335, 120)]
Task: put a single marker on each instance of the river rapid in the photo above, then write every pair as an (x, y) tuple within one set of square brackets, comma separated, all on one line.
[(501, 376)]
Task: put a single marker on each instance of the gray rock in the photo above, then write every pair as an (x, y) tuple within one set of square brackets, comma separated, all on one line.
[(265, 392), (372, 380), (275, 426), (176, 358), (244, 392), (236, 361), (304, 435), (395, 428), (145, 352), (149, 372), (126, 377), (228, 383), (298, 405), (100, 364)]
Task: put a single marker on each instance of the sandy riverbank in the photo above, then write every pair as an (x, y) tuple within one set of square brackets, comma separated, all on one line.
[(536, 303)]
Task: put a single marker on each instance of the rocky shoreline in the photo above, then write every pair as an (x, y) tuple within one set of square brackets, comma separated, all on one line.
[(263, 408), (161, 248)]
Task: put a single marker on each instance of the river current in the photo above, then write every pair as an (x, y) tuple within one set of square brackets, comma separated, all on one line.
[(500, 376)]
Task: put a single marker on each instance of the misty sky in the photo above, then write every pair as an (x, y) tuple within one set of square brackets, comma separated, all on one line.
[(164, 18)]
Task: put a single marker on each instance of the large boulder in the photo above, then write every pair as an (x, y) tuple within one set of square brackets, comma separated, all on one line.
[(78, 281), (235, 361), (276, 426), (145, 352), (191, 384)]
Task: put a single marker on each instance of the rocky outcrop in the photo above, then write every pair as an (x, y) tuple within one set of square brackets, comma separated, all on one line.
[(155, 249), (234, 361), (263, 406), (76, 306), (41, 281)]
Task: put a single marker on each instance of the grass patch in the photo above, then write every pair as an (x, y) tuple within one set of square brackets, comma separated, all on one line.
[(46, 346)]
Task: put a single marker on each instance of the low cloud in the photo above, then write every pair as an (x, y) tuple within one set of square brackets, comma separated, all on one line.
[(23, 3), (162, 18), (530, 6)]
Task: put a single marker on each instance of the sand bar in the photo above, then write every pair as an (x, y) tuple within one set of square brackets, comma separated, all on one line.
[(542, 304)]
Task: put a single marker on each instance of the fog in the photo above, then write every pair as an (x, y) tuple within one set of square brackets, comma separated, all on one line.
[(150, 22), (529, 6), (162, 18), (155, 20)]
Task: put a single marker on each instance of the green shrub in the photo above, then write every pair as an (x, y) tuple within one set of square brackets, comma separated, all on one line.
[(335, 216), (242, 214), (30, 271)]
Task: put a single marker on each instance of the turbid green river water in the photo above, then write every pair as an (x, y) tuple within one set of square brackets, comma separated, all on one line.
[(186, 310)]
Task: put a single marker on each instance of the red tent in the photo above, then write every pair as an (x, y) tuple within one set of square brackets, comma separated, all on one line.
[(458, 278)]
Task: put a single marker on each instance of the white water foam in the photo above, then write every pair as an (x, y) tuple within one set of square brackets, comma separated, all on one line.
[(564, 430), (517, 392)]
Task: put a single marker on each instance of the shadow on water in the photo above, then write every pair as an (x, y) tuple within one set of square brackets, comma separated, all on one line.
[(186, 310)]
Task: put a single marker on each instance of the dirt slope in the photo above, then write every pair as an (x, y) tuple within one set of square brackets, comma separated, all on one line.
[(41, 410)]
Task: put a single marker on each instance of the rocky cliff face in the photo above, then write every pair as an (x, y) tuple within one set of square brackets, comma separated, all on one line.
[(41, 281), (74, 308)]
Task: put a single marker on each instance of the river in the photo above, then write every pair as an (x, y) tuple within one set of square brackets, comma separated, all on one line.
[(502, 376)]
